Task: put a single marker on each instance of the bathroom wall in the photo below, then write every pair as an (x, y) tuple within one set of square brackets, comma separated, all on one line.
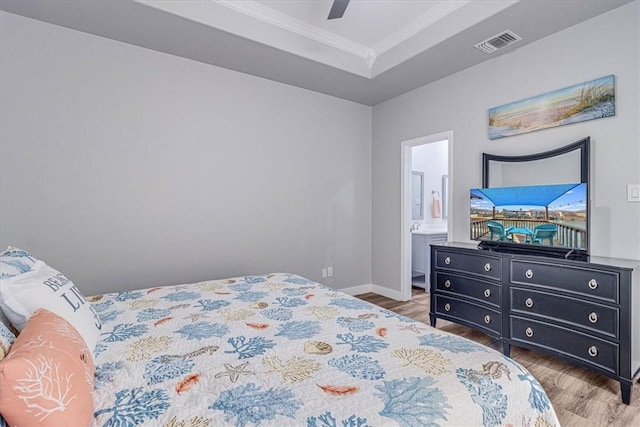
[(432, 159)]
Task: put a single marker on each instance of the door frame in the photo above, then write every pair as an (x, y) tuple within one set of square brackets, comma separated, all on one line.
[(405, 208)]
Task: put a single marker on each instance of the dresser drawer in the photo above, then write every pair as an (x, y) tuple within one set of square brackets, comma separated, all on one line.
[(481, 265), (595, 317), (481, 290), (594, 351), (588, 282), (474, 315)]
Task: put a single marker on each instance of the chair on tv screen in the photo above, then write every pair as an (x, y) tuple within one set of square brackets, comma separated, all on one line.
[(544, 232), (497, 228)]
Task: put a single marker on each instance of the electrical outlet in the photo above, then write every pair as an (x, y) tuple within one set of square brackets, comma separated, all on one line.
[(324, 272), (633, 193), (329, 271)]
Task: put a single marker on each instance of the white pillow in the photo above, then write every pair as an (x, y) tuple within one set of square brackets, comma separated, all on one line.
[(44, 287), (13, 262)]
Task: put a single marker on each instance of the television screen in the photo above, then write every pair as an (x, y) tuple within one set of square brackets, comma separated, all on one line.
[(543, 216)]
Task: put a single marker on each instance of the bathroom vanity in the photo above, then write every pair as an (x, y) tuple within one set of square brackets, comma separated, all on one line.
[(421, 241)]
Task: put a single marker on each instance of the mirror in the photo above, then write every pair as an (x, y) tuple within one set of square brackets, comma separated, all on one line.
[(445, 187), (559, 166), (417, 196)]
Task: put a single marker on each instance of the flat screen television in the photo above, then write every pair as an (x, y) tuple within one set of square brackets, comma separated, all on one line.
[(538, 219)]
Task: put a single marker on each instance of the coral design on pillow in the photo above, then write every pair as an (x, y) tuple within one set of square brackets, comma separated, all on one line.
[(47, 377), (44, 387), (64, 328)]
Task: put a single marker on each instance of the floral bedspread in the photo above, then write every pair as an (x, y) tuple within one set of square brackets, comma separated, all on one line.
[(282, 350)]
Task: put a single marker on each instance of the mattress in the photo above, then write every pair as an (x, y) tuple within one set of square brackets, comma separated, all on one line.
[(282, 350)]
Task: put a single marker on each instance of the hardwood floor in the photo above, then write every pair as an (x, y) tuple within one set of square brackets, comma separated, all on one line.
[(579, 397)]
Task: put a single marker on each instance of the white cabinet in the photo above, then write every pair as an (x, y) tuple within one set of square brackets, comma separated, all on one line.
[(418, 254), (421, 253)]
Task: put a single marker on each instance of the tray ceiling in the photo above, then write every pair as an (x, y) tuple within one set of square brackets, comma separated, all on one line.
[(378, 50)]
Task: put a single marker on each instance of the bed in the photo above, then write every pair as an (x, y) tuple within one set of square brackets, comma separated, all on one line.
[(282, 350)]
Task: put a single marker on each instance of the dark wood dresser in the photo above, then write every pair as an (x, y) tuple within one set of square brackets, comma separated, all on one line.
[(584, 312)]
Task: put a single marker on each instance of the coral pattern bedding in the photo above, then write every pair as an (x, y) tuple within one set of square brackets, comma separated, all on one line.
[(283, 350)]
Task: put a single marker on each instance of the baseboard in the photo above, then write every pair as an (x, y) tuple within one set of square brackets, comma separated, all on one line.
[(380, 290), (357, 290), (386, 292)]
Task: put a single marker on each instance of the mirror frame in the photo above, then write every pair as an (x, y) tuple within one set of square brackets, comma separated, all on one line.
[(445, 190), (582, 145), (422, 213)]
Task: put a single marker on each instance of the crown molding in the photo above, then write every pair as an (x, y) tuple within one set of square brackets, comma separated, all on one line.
[(299, 27), (440, 11), (367, 54)]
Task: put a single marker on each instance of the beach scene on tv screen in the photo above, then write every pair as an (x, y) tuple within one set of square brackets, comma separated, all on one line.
[(546, 215)]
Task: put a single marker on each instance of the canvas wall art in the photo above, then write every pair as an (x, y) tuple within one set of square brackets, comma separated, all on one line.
[(590, 100)]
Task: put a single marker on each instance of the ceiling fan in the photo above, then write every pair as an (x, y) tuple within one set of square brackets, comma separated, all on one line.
[(337, 9)]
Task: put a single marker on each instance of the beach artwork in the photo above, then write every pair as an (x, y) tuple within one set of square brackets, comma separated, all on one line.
[(590, 100)]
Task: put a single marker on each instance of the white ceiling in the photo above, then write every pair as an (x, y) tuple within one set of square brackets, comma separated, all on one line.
[(378, 50), (369, 39)]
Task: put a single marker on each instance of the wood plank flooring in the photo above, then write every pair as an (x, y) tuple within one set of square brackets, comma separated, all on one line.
[(579, 397)]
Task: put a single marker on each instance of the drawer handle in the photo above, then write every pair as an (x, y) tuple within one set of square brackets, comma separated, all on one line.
[(447, 307), (528, 332), (487, 293), (487, 267), (593, 317), (447, 260), (487, 319), (447, 283), (593, 284), (528, 274), (593, 351), (528, 302)]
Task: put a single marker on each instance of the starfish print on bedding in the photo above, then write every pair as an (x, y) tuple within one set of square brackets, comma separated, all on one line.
[(234, 372), (412, 327)]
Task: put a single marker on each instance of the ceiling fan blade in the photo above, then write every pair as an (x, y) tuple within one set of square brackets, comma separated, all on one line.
[(338, 8)]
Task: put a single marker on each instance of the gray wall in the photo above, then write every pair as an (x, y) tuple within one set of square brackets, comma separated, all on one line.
[(608, 44), (124, 167)]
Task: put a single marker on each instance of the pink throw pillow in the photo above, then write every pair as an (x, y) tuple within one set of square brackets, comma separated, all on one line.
[(47, 377)]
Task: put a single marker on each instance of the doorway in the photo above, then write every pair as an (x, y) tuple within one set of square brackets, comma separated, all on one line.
[(431, 156)]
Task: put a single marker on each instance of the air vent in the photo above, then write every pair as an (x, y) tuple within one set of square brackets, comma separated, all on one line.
[(498, 41)]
